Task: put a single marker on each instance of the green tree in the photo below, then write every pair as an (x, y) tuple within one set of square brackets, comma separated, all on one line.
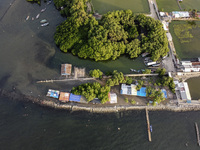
[(96, 73)]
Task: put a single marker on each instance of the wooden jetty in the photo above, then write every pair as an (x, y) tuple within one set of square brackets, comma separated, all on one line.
[(197, 131), (148, 125)]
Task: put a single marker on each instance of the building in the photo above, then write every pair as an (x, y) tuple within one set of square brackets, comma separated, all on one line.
[(180, 14), (74, 98), (79, 72), (66, 69), (131, 90), (183, 89), (128, 89), (189, 66), (64, 97), (53, 93), (112, 98)]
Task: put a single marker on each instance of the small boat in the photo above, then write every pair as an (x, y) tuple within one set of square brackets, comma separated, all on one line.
[(32, 18), (37, 16), (49, 2), (43, 10), (27, 17), (151, 129), (156, 65), (43, 21), (45, 24), (133, 70), (145, 54)]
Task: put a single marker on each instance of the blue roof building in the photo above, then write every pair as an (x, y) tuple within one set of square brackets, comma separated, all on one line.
[(142, 92), (74, 98), (53, 93)]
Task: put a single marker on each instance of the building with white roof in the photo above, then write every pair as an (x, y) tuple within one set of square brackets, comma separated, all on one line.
[(180, 14)]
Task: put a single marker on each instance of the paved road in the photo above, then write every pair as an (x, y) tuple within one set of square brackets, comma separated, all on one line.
[(152, 10)]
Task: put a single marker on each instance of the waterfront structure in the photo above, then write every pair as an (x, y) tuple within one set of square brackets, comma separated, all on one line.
[(189, 66), (131, 90), (180, 14), (112, 98), (66, 69), (53, 93), (74, 98), (79, 72), (64, 97), (182, 90), (128, 89)]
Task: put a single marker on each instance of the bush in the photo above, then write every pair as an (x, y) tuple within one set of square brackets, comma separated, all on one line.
[(126, 100), (96, 73), (133, 102)]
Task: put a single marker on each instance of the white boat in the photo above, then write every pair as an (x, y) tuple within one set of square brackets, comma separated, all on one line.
[(43, 10), (37, 16), (27, 17), (43, 21), (45, 24), (151, 129), (49, 2), (133, 70)]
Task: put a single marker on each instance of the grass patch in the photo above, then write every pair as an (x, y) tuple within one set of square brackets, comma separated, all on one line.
[(167, 5), (190, 4), (186, 38), (137, 6)]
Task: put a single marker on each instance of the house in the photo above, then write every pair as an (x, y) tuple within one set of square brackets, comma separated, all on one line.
[(74, 98), (189, 66), (66, 69), (180, 14), (183, 89), (128, 89), (64, 97), (53, 93), (112, 98)]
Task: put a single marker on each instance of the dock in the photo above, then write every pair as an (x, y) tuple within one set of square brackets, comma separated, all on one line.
[(197, 131), (148, 125)]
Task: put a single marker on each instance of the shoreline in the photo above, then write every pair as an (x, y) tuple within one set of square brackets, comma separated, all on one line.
[(73, 107)]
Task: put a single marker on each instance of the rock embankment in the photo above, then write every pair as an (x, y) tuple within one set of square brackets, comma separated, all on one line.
[(90, 107)]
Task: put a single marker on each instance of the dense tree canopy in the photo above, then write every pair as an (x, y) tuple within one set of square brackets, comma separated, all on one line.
[(92, 90), (96, 73), (117, 33)]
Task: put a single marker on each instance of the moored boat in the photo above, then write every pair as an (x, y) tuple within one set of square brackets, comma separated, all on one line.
[(43, 21), (45, 24), (43, 10), (37, 16), (27, 17), (151, 129)]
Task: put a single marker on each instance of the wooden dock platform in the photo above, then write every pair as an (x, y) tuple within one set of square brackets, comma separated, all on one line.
[(197, 131), (148, 125)]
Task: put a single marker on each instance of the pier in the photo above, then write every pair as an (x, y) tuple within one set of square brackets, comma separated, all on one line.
[(197, 131), (148, 125)]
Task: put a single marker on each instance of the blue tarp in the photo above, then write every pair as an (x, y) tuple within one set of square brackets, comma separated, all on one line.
[(165, 93), (142, 92), (75, 98), (54, 94)]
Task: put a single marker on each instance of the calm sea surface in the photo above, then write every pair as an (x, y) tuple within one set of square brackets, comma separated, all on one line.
[(28, 54)]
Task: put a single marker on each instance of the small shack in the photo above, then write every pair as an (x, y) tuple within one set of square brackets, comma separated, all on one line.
[(64, 97), (74, 98), (128, 89), (66, 69), (53, 93), (112, 98), (79, 72)]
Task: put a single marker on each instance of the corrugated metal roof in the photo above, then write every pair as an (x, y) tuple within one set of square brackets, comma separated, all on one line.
[(142, 92), (66, 69), (75, 98), (53, 93), (64, 96)]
